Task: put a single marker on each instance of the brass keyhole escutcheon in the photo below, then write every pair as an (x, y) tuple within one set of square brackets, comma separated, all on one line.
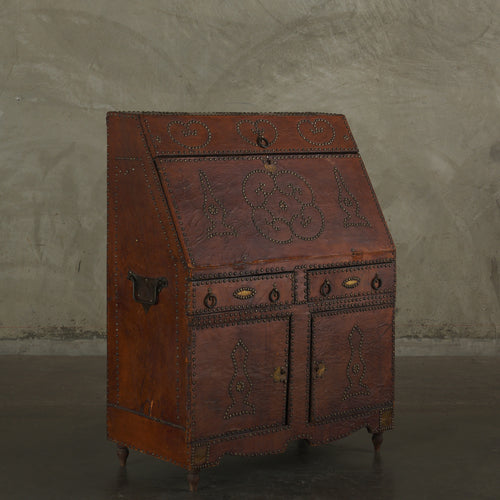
[(351, 282), (325, 288), (376, 282), (279, 374), (274, 294), (210, 300), (262, 142), (319, 369)]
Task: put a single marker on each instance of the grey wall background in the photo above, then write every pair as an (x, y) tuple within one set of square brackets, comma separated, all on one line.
[(418, 81)]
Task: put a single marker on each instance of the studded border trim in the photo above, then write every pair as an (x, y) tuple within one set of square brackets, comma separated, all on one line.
[(236, 281), (287, 440), (173, 232), (347, 269)]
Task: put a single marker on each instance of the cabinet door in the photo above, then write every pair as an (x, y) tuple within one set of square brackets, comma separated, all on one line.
[(240, 377), (351, 363)]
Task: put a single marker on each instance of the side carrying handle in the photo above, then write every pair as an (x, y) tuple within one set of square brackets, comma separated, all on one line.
[(146, 290)]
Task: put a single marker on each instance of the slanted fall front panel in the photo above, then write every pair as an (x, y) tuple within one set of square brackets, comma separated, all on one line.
[(260, 208)]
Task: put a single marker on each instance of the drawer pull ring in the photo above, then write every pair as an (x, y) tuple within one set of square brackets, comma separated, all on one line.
[(376, 282), (262, 142), (210, 300), (319, 369), (279, 374), (274, 295), (325, 288), (145, 290)]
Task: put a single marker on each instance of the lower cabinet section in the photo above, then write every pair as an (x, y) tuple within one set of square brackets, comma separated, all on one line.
[(240, 377), (351, 363), (240, 373)]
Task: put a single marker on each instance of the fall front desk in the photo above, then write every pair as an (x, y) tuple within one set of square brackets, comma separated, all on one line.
[(251, 286)]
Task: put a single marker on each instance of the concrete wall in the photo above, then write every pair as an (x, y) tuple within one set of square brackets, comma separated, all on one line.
[(418, 81)]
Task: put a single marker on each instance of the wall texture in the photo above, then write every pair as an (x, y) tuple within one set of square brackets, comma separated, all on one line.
[(418, 81)]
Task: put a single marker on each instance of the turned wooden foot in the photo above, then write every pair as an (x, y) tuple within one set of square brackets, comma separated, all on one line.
[(193, 480), (122, 454), (377, 439)]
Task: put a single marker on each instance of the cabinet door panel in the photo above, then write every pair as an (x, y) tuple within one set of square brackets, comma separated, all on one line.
[(240, 377), (351, 363)]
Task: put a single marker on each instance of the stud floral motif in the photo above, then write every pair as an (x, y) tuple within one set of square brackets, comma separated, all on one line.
[(240, 385), (349, 204), (192, 134), (283, 206), (356, 367), (319, 132), (214, 211)]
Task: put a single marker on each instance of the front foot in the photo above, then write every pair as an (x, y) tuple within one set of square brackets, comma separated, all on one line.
[(377, 440), (193, 478), (122, 454)]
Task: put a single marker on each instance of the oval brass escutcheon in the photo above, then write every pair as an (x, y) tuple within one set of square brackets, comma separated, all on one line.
[(325, 288), (244, 293), (351, 282), (376, 282), (210, 300), (274, 294)]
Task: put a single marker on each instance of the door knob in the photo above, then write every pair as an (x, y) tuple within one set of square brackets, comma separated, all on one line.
[(279, 374), (319, 369)]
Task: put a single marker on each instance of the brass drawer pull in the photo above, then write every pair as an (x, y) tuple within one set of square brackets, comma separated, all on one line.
[(376, 282), (274, 294), (325, 288), (279, 374), (210, 300), (319, 369)]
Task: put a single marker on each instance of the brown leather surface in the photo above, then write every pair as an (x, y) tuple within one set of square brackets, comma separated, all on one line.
[(292, 216), (274, 320)]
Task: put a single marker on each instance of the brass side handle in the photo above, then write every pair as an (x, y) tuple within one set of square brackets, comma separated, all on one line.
[(319, 369), (279, 374), (146, 290)]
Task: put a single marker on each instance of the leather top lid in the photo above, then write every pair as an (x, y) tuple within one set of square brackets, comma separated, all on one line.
[(171, 134)]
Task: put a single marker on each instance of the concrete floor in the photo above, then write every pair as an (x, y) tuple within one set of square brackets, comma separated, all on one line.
[(446, 443)]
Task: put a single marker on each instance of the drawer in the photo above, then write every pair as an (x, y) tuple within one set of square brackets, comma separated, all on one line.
[(326, 284), (268, 290)]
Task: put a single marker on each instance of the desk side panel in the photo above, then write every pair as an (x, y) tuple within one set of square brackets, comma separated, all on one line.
[(146, 353)]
